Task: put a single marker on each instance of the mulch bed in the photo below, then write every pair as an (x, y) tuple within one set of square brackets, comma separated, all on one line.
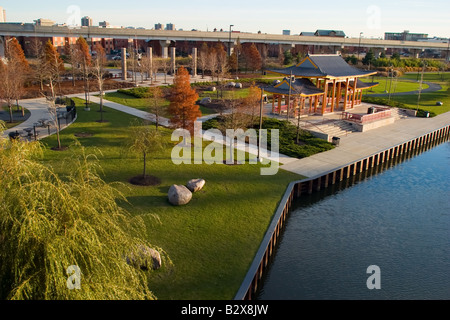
[(145, 181), (67, 88)]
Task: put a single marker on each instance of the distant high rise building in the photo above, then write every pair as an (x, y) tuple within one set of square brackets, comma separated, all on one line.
[(104, 24), (158, 26), (286, 32), (170, 26), (86, 22), (2, 15)]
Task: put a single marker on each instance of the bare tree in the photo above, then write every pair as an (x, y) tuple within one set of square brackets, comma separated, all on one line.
[(203, 58), (83, 60), (155, 100), (69, 52), (164, 65), (52, 65), (13, 71), (99, 72), (213, 63)]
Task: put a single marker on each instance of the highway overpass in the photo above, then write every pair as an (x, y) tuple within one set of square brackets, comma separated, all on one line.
[(32, 30)]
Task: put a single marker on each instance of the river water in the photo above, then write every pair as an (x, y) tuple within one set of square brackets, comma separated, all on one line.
[(398, 220)]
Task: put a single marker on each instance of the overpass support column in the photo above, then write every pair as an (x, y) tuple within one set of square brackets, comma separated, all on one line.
[(150, 61), (287, 47), (173, 61), (377, 51), (416, 52), (194, 62), (2, 47), (165, 48), (124, 64)]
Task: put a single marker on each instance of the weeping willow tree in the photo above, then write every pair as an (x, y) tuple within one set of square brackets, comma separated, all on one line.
[(49, 223)]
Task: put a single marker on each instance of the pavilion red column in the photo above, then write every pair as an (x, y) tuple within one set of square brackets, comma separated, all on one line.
[(338, 97), (325, 98), (333, 98), (279, 104), (355, 83), (273, 104), (346, 94)]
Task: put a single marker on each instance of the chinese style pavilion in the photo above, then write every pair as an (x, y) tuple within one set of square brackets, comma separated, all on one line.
[(319, 84)]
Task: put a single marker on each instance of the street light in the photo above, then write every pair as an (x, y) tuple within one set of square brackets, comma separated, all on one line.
[(359, 46), (229, 42)]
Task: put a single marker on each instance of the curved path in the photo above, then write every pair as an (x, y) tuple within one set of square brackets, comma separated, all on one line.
[(432, 87)]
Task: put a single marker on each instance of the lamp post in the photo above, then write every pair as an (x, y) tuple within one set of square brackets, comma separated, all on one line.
[(229, 42), (448, 48), (359, 46), (260, 124)]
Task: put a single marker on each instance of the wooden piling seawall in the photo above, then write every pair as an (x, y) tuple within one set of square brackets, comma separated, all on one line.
[(374, 162)]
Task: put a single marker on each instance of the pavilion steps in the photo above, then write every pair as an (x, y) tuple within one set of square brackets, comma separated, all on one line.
[(338, 128), (399, 114)]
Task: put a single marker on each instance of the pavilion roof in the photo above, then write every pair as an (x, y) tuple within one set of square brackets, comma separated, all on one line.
[(301, 87), (363, 85), (323, 66)]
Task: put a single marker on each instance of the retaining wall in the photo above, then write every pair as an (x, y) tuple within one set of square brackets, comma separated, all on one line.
[(295, 189)]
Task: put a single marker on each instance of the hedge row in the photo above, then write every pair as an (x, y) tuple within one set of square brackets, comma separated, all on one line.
[(396, 104), (288, 134)]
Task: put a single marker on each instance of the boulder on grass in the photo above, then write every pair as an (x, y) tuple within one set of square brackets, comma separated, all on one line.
[(145, 258), (238, 86), (195, 185), (205, 101), (179, 195)]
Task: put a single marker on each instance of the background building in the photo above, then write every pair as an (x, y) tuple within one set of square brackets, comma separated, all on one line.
[(86, 22), (170, 26), (104, 24), (2, 15), (404, 36), (44, 22), (286, 32), (330, 33), (158, 26)]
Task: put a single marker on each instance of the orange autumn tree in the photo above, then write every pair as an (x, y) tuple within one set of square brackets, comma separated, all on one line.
[(183, 108)]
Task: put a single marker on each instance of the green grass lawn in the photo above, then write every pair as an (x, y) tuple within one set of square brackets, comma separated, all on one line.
[(428, 76), (227, 94), (142, 104), (385, 85), (428, 100), (212, 240)]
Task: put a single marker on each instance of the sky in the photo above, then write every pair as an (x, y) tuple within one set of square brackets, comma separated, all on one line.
[(373, 18)]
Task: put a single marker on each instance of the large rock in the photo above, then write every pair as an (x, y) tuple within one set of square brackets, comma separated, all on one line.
[(196, 185), (205, 101), (179, 195), (238, 86), (230, 84), (145, 258)]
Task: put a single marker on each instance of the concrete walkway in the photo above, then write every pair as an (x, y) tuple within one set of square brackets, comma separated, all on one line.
[(352, 148), (119, 107), (358, 146), (38, 111)]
